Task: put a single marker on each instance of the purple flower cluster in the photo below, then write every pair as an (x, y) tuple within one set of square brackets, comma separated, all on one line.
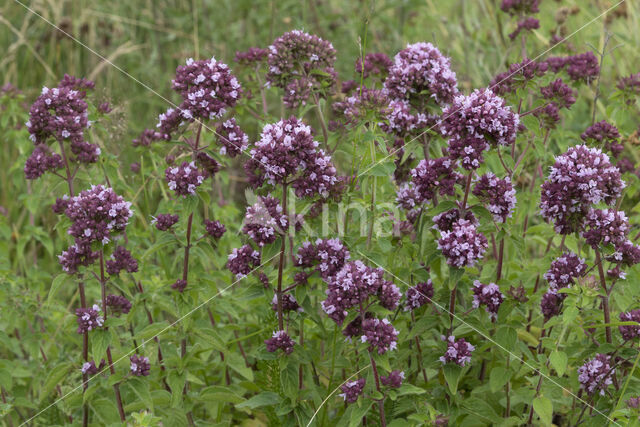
[(242, 260), (280, 340), (434, 176), (407, 197), (630, 332), (489, 296), (605, 135), (517, 76), (582, 67), (364, 102), (518, 7), (351, 390), (118, 304), (564, 270), (163, 222), (468, 151), (463, 245), (90, 368), (630, 86), (253, 55), (351, 286), (232, 138), (289, 303), (446, 220), (184, 179), (626, 253), (140, 365), (148, 136), (421, 72), (498, 195), (581, 177), (605, 226), (328, 255), (550, 304), (179, 285), (264, 221), (480, 115), (215, 229), (393, 380), (419, 295), (41, 161), (402, 121), (596, 374), (379, 334), (207, 88), (298, 60), (59, 113), (89, 319), (375, 64), (95, 214), (286, 149), (458, 352), (559, 93), (121, 259), (527, 24)]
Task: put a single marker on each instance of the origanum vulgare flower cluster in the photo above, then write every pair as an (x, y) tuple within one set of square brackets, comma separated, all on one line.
[(579, 179), (352, 286), (458, 351), (96, 215), (60, 115), (287, 150), (596, 375), (294, 61)]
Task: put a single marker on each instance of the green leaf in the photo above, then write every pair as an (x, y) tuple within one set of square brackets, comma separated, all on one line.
[(358, 412), (141, 388), (558, 360), (266, 398), (100, 340), (480, 407), (498, 378), (55, 286), (381, 169), (176, 383), (236, 362), (218, 394), (55, 377), (105, 410), (452, 373), (151, 331), (507, 337), (407, 389), (544, 408)]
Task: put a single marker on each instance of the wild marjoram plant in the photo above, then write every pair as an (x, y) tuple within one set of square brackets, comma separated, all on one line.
[(494, 300)]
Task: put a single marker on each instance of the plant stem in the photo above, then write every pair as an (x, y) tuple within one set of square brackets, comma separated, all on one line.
[(373, 197), (103, 288), (383, 421), (281, 263), (323, 124), (605, 297), (466, 192), (452, 307), (500, 257), (420, 367), (83, 300)]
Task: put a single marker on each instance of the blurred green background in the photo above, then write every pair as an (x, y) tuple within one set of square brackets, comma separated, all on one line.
[(148, 39)]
